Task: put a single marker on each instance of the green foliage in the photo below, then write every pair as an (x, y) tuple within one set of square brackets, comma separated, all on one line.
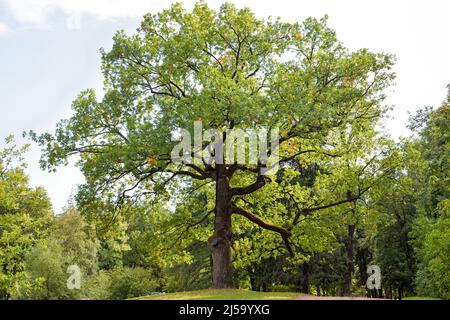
[(97, 287), (393, 250), (431, 229), (69, 243), (131, 282), (77, 240), (191, 275), (25, 214), (47, 262), (437, 259), (110, 229)]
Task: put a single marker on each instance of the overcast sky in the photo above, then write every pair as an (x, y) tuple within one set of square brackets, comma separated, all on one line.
[(49, 53)]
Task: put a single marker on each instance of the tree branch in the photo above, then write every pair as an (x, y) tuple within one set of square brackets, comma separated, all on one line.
[(258, 184), (285, 234)]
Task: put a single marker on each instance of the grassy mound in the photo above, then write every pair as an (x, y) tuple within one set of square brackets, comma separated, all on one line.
[(222, 294)]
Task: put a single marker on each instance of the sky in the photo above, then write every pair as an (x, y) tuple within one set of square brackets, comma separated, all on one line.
[(49, 52)]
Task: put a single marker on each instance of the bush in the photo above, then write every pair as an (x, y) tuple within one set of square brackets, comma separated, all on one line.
[(46, 262), (97, 286), (424, 282), (131, 282)]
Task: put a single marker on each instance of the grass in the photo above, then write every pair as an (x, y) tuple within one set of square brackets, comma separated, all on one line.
[(222, 294), (420, 298), (236, 294)]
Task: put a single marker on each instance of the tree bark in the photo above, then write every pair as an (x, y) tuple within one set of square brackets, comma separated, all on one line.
[(350, 267), (220, 242), (305, 278), (253, 283)]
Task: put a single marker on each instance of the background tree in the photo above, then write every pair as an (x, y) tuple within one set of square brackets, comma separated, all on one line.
[(429, 235), (70, 242), (77, 239), (47, 263), (25, 215)]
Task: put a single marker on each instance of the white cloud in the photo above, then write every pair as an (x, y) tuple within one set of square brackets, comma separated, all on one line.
[(27, 12), (37, 13), (4, 29)]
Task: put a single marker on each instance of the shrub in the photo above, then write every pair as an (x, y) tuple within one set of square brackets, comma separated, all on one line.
[(131, 282)]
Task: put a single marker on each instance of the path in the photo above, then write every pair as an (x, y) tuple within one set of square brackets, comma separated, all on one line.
[(310, 297)]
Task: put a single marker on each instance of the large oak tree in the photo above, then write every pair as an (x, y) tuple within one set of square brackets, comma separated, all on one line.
[(228, 69)]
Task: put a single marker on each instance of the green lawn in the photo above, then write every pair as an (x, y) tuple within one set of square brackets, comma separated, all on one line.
[(222, 294), (240, 294), (420, 298)]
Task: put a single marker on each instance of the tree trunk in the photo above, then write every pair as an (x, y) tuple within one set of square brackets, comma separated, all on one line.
[(253, 283), (305, 278), (220, 242), (388, 292), (350, 267)]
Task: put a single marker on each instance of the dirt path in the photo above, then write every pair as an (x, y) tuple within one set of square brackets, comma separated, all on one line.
[(310, 297)]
